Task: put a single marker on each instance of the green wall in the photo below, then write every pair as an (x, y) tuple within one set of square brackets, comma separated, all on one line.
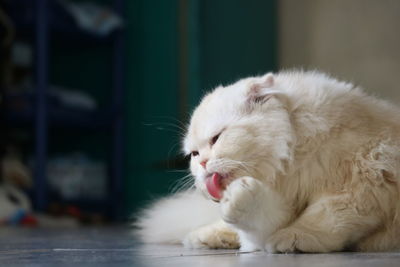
[(151, 96), (238, 39), (177, 50)]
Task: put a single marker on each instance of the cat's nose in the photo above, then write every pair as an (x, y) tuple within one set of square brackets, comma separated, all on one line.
[(203, 163)]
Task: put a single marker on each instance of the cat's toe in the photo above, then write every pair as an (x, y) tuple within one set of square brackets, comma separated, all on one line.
[(192, 240), (292, 240), (283, 241)]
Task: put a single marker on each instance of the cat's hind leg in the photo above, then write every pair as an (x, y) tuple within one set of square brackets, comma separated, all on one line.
[(330, 224), (384, 240)]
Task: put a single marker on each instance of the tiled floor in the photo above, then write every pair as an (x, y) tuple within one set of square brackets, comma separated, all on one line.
[(116, 247)]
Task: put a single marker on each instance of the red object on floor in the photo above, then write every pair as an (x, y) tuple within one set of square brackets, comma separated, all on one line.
[(29, 220), (74, 211)]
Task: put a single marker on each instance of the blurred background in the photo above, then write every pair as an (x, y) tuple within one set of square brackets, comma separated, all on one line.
[(95, 94)]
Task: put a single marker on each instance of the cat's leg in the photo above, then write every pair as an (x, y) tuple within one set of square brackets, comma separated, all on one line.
[(216, 235), (330, 224), (385, 240), (254, 210)]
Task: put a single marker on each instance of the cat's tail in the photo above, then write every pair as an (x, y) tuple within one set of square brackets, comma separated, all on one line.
[(170, 219)]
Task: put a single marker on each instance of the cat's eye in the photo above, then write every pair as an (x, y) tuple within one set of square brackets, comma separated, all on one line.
[(194, 153), (214, 139)]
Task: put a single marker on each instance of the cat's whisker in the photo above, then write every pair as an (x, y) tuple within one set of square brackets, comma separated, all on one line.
[(185, 186), (242, 164), (192, 186), (182, 183), (179, 123), (175, 171), (181, 127), (170, 127), (229, 165), (170, 151), (178, 182), (249, 168)]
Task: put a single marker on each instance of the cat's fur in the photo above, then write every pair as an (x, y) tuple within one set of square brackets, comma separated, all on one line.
[(313, 165)]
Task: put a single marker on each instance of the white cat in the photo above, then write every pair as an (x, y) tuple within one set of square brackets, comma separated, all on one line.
[(298, 161)]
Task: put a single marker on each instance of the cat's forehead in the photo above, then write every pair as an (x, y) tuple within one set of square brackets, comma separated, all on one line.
[(216, 111)]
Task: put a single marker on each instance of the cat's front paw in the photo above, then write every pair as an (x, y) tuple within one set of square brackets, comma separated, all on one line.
[(214, 236), (239, 201)]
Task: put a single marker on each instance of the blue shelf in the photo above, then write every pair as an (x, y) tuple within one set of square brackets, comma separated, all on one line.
[(43, 21), (63, 118), (61, 24), (87, 205), (19, 110)]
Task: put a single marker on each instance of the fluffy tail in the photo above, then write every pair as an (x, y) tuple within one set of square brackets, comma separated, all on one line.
[(169, 219)]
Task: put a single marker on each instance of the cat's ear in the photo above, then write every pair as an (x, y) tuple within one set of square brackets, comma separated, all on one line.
[(261, 89), (266, 81)]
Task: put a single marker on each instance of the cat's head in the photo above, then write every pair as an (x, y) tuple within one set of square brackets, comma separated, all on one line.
[(240, 130)]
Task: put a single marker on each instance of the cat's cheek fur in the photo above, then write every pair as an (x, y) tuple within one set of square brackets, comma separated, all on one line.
[(254, 210), (199, 175)]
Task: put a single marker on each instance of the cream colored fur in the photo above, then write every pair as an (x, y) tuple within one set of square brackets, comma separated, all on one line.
[(313, 165)]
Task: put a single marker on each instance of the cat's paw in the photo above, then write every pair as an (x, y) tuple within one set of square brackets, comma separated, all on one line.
[(239, 200), (283, 241), (212, 237), (292, 240)]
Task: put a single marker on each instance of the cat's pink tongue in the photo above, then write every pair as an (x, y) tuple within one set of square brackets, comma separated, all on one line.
[(214, 186)]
